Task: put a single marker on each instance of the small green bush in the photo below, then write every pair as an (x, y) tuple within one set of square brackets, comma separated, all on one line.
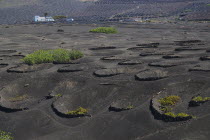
[(182, 115), (169, 101), (58, 95), (5, 135), (188, 10), (206, 98), (107, 30), (208, 4), (79, 111), (201, 99), (18, 98), (171, 114), (48, 56), (130, 107), (166, 109)]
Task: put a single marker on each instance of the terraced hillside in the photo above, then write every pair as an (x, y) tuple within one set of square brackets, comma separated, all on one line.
[(146, 82), (23, 11)]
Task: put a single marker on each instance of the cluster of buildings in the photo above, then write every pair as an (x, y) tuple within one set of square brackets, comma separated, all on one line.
[(49, 19), (43, 19)]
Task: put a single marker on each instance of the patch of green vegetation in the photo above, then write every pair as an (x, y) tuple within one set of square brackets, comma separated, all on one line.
[(169, 101), (171, 114), (107, 30), (130, 107), (58, 95), (188, 10), (59, 17), (79, 111), (18, 98), (48, 56), (166, 109), (5, 135), (201, 99), (182, 115), (208, 4)]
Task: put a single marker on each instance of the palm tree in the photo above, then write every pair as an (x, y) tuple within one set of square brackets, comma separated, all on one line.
[(45, 15)]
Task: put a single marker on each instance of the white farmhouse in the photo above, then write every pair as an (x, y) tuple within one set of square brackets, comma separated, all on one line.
[(43, 19)]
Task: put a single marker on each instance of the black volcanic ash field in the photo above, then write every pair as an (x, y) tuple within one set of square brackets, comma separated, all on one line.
[(117, 70)]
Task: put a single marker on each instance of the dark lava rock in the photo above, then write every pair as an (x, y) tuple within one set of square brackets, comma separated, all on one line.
[(135, 48), (70, 62), (109, 72), (2, 65), (6, 56), (189, 48), (120, 106), (11, 110), (113, 58), (163, 64), (155, 53), (171, 56), (107, 84), (185, 90), (14, 98), (72, 68), (103, 48), (18, 55), (64, 87), (201, 67), (159, 114), (141, 46), (14, 104), (15, 56), (65, 115), (203, 58), (114, 71), (151, 75), (7, 51), (60, 30), (63, 105), (23, 68), (188, 42), (196, 103), (171, 63), (130, 62), (12, 44), (149, 45)]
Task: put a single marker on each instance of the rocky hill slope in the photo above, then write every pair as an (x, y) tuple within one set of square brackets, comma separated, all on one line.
[(20, 11)]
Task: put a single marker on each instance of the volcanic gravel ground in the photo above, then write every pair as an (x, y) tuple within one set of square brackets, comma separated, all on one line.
[(110, 77)]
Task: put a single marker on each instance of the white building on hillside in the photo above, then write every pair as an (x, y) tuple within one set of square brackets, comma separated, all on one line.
[(43, 19)]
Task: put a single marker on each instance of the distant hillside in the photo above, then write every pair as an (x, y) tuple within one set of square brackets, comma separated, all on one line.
[(21, 11)]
